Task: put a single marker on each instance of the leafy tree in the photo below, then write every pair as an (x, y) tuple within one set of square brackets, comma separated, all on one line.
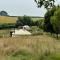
[(47, 24), (36, 23), (45, 3), (25, 20), (3, 13), (55, 21), (49, 5), (39, 23)]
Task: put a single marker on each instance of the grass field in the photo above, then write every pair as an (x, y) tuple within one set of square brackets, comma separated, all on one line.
[(37, 19), (12, 19), (41, 47), (5, 19)]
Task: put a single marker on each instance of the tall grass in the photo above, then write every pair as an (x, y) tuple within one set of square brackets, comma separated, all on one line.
[(28, 47)]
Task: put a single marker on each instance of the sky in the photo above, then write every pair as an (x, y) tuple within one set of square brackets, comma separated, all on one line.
[(22, 7)]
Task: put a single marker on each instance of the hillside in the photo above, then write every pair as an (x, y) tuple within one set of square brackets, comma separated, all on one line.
[(6, 19), (13, 19)]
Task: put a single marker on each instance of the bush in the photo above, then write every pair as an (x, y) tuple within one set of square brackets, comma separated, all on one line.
[(36, 30), (25, 20), (6, 26)]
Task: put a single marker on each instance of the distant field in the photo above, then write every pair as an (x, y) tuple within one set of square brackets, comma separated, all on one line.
[(4, 19), (13, 19), (37, 18)]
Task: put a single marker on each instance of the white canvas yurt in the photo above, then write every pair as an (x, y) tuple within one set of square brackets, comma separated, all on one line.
[(20, 32), (26, 27)]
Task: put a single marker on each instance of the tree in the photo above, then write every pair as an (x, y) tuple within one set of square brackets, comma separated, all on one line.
[(45, 3), (3, 13), (55, 21), (25, 20), (47, 24)]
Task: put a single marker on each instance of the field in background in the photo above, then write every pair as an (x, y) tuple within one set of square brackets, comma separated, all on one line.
[(4, 19), (29, 48), (37, 18), (8, 20), (13, 19)]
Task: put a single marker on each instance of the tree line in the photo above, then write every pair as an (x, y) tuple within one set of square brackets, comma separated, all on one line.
[(26, 20), (52, 16)]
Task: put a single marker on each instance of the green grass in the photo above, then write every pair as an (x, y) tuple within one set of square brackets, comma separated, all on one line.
[(37, 19), (55, 56), (25, 55), (18, 55)]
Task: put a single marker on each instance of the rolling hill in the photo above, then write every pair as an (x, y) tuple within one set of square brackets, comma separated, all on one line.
[(13, 19), (7, 19)]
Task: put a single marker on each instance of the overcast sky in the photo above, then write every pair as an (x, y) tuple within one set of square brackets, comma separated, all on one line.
[(22, 7)]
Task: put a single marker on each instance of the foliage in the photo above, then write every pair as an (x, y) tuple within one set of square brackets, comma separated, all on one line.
[(55, 21), (39, 22), (47, 24), (3, 13), (25, 20), (36, 23), (7, 26), (35, 30), (46, 3)]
